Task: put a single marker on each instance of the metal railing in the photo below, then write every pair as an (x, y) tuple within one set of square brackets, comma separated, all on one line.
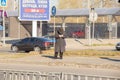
[(72, 76), (29, 75), (26, 75)]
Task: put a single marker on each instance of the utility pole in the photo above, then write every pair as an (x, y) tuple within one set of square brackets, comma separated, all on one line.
[(89, 27)]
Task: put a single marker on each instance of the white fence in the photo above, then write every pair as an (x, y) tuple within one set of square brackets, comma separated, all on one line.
[(29, 75)]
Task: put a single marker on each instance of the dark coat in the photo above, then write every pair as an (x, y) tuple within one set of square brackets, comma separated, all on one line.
[(60, 42)]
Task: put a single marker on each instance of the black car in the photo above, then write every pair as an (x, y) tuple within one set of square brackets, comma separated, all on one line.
[(118, 46), (31, 44)]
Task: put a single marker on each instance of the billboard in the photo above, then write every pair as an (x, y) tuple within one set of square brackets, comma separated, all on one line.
[(37, 10)]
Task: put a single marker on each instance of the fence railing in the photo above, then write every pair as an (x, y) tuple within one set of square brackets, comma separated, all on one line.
[(29, 75)]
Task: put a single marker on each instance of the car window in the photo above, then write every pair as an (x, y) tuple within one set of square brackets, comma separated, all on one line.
[(32, 40), (25, 40), (38, 41)]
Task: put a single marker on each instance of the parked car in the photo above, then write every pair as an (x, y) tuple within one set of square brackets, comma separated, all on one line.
[(78, 34), (31, 44), (118, 46)]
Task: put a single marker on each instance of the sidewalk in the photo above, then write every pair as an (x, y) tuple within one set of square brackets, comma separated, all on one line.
[(78, 62)]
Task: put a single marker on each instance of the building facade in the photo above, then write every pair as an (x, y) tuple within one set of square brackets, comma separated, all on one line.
[(20, 29)]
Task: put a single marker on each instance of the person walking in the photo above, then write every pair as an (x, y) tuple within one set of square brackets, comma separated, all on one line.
[(60, 42)]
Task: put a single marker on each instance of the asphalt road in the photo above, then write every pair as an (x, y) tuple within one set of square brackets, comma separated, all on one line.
[(45, 68)]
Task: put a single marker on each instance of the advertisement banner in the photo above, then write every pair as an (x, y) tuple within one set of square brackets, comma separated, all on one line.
[(37, 10)]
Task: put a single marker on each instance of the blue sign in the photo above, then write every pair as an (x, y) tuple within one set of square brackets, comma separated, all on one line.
[(3, 2), (1, 27), (37, 10), (53, 10)]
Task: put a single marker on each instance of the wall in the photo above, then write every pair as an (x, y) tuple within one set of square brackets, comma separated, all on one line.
[(16, 29)]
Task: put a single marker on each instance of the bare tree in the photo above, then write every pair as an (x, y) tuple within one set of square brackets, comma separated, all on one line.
[(67, 4)]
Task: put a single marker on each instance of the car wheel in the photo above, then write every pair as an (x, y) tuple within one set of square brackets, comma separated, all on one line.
[(14, 48), (37, 49), (27, 51), (117, 49)]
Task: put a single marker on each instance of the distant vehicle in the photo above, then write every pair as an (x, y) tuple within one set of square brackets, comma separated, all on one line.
[(78, 34), (31, 44), (118, 46)]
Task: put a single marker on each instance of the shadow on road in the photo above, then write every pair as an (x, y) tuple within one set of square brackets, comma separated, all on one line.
[(99, 40), (78, 41), (52, 57), (116, 60)]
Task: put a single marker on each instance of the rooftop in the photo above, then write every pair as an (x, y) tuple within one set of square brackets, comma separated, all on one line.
[(78, 12)]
